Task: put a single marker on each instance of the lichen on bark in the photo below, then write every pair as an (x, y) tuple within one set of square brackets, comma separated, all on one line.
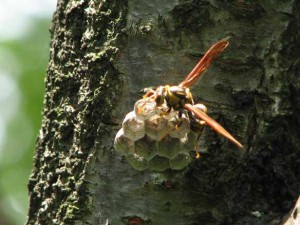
[(85, 39)]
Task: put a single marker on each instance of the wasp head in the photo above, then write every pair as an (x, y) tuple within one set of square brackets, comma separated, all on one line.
[(161, 95)]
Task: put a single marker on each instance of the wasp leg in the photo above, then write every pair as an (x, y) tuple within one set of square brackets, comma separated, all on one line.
[(165, 113), (197, 152), (180, 113), (179, 119), (197, 147), (149, 96), (176, 124)]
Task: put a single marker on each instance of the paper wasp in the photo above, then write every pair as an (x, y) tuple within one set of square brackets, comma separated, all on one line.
[(179, 97)]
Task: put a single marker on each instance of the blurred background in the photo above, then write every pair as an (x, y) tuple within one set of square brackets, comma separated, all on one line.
[(24, 53)]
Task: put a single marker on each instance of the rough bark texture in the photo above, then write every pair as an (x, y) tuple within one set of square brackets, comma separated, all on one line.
[(252, 89)]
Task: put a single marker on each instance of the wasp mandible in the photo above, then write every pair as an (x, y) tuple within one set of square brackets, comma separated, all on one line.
[(179, 97)]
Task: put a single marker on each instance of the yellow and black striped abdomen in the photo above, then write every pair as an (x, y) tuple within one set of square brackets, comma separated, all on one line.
[(177, 96)]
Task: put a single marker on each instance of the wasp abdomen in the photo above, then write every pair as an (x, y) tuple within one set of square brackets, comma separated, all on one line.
[(177, 96)]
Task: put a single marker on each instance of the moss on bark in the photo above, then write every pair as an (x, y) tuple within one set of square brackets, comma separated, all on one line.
[(77, 108)]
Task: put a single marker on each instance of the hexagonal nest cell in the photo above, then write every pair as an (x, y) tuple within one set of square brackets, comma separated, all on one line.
[(156, 139)]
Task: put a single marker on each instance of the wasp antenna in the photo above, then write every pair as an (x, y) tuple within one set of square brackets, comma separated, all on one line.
[(226, 38)]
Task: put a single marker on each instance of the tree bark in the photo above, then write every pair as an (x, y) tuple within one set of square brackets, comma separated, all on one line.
[(104, 52)]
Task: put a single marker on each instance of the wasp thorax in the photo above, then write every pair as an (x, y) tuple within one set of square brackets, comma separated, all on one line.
[(154, 137), (176, 97)]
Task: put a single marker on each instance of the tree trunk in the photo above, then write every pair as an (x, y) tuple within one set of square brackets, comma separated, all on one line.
[(104, 52)]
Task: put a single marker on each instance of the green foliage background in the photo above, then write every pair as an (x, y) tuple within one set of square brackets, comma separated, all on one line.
[(28, 55)]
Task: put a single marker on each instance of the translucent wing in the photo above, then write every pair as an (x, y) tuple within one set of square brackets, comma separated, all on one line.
[(202, 65), (212, 123)]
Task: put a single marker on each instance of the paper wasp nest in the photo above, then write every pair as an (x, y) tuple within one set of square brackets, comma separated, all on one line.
[(151, 138)]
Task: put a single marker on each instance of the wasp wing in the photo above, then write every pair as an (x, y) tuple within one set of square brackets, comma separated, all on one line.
[(202, 65), (212, 123)]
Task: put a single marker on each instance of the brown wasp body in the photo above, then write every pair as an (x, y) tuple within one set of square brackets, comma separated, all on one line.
[(180, 98)]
